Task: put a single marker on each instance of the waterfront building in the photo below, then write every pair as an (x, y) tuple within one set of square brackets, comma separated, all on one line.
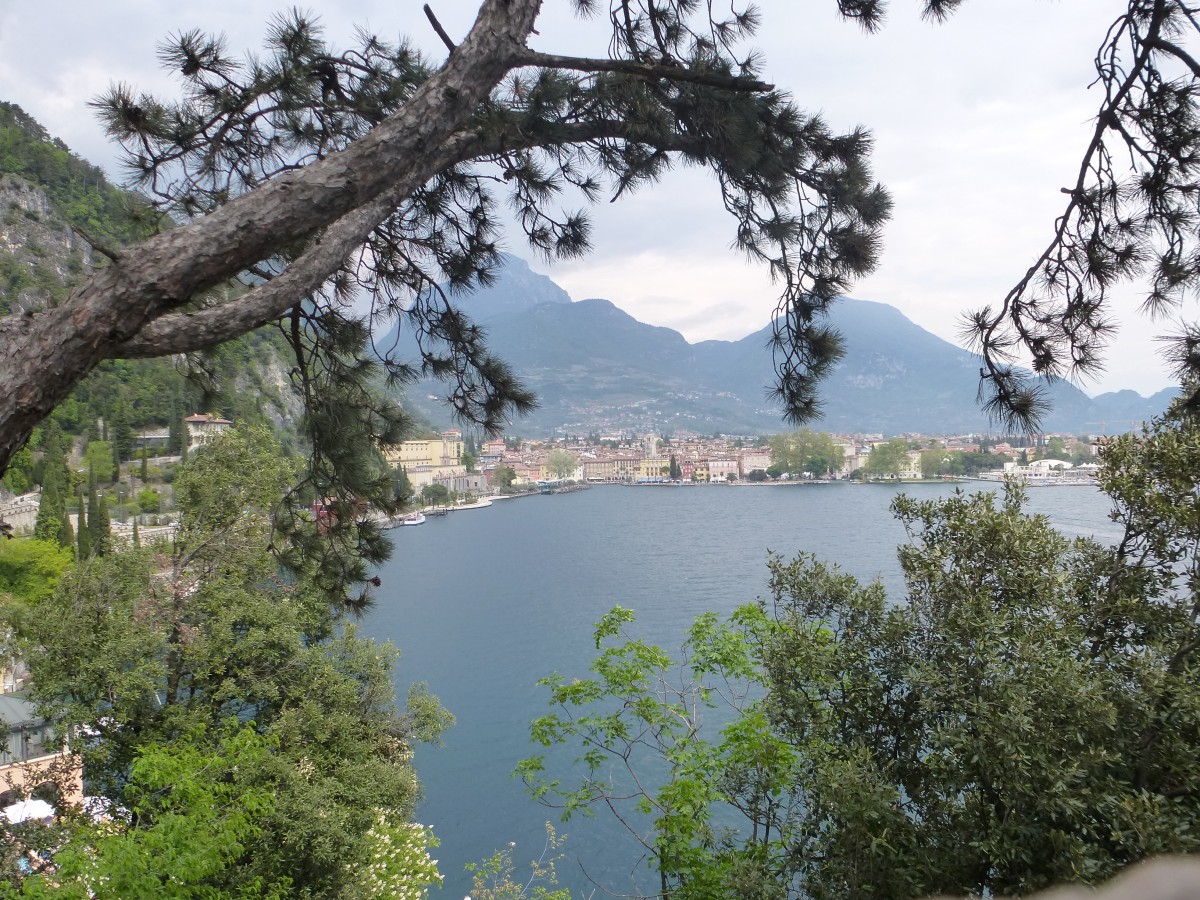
[(444, 450), (720, 468), (626, 467), (654, 468), (754, 458), (599, 469)]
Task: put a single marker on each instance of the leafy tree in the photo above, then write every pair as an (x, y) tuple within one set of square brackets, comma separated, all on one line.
[(504, 476), (144, 658), (493, 879), (30, 568), (83, 536), (19, 477), (561, 464), (939, 461), (974, 463), (98, 457), (98, 523), (805, 451), (756, 475), (435, 494), (122, 432), (1027, 717), (469, 460), (176, 432), (193, 816), (149, 500), (887, 460)]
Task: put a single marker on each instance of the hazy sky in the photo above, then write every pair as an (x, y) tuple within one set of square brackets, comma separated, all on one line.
[(978, 122)]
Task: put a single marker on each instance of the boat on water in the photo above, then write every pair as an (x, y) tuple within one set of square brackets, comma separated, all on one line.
[(413, 519)]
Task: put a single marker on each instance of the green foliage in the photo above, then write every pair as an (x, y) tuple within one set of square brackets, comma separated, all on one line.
[(635, 712), (1029, 716), (402, 488), (193, 815), (79, 191), (435, 494), (99, 460), (804, 451), (504, 476), (495, 877), (99, 525), (887, 460), (399, 865), (149, 500), (83, 536), (52, 522), (122, 431), (561, 464), (29, 568), (19, 476), (144, 657)]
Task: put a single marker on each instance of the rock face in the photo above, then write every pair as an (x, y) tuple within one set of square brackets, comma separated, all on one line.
[(41, 257)]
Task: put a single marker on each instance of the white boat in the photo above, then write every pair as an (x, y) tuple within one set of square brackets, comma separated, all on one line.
[(413, 519)]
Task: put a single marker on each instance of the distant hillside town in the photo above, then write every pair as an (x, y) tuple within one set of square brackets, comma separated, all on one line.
[(468, 468)]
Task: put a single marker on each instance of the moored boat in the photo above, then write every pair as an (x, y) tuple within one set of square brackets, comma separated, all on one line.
[(413, 519)]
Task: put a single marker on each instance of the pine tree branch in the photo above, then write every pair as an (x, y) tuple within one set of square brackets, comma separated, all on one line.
[(654, 71), (206, 328)]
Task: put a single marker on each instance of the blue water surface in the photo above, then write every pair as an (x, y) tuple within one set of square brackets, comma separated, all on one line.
[(482, 603)]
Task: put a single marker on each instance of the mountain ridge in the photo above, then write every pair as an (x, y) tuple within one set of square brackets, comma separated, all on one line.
[(596, 367)]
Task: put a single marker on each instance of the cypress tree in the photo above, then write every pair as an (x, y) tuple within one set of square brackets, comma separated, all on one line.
[(48, 517), (83, 536), (98, 525), (136, 537), (122, 431), (66, 534), (145, 467), (52, 508)]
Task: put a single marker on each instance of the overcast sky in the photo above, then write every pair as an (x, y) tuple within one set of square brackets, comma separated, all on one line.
[(978, 122)]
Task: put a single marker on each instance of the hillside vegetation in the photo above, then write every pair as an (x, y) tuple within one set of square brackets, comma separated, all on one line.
[(51, 204)]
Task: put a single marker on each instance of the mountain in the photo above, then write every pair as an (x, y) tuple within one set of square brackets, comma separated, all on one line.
[(595, 367)]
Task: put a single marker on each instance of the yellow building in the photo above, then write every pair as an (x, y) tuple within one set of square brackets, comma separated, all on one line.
[(654, 467), (427, 461), (444, 450), (625, 468)]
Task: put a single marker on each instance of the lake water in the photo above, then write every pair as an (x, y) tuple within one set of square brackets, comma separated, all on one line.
[(482, 603)]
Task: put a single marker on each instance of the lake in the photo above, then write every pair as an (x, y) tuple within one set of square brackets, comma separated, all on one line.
[(484, 602)]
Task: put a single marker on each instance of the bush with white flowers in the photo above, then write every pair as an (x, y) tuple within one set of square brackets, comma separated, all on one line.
[(399, 865)]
